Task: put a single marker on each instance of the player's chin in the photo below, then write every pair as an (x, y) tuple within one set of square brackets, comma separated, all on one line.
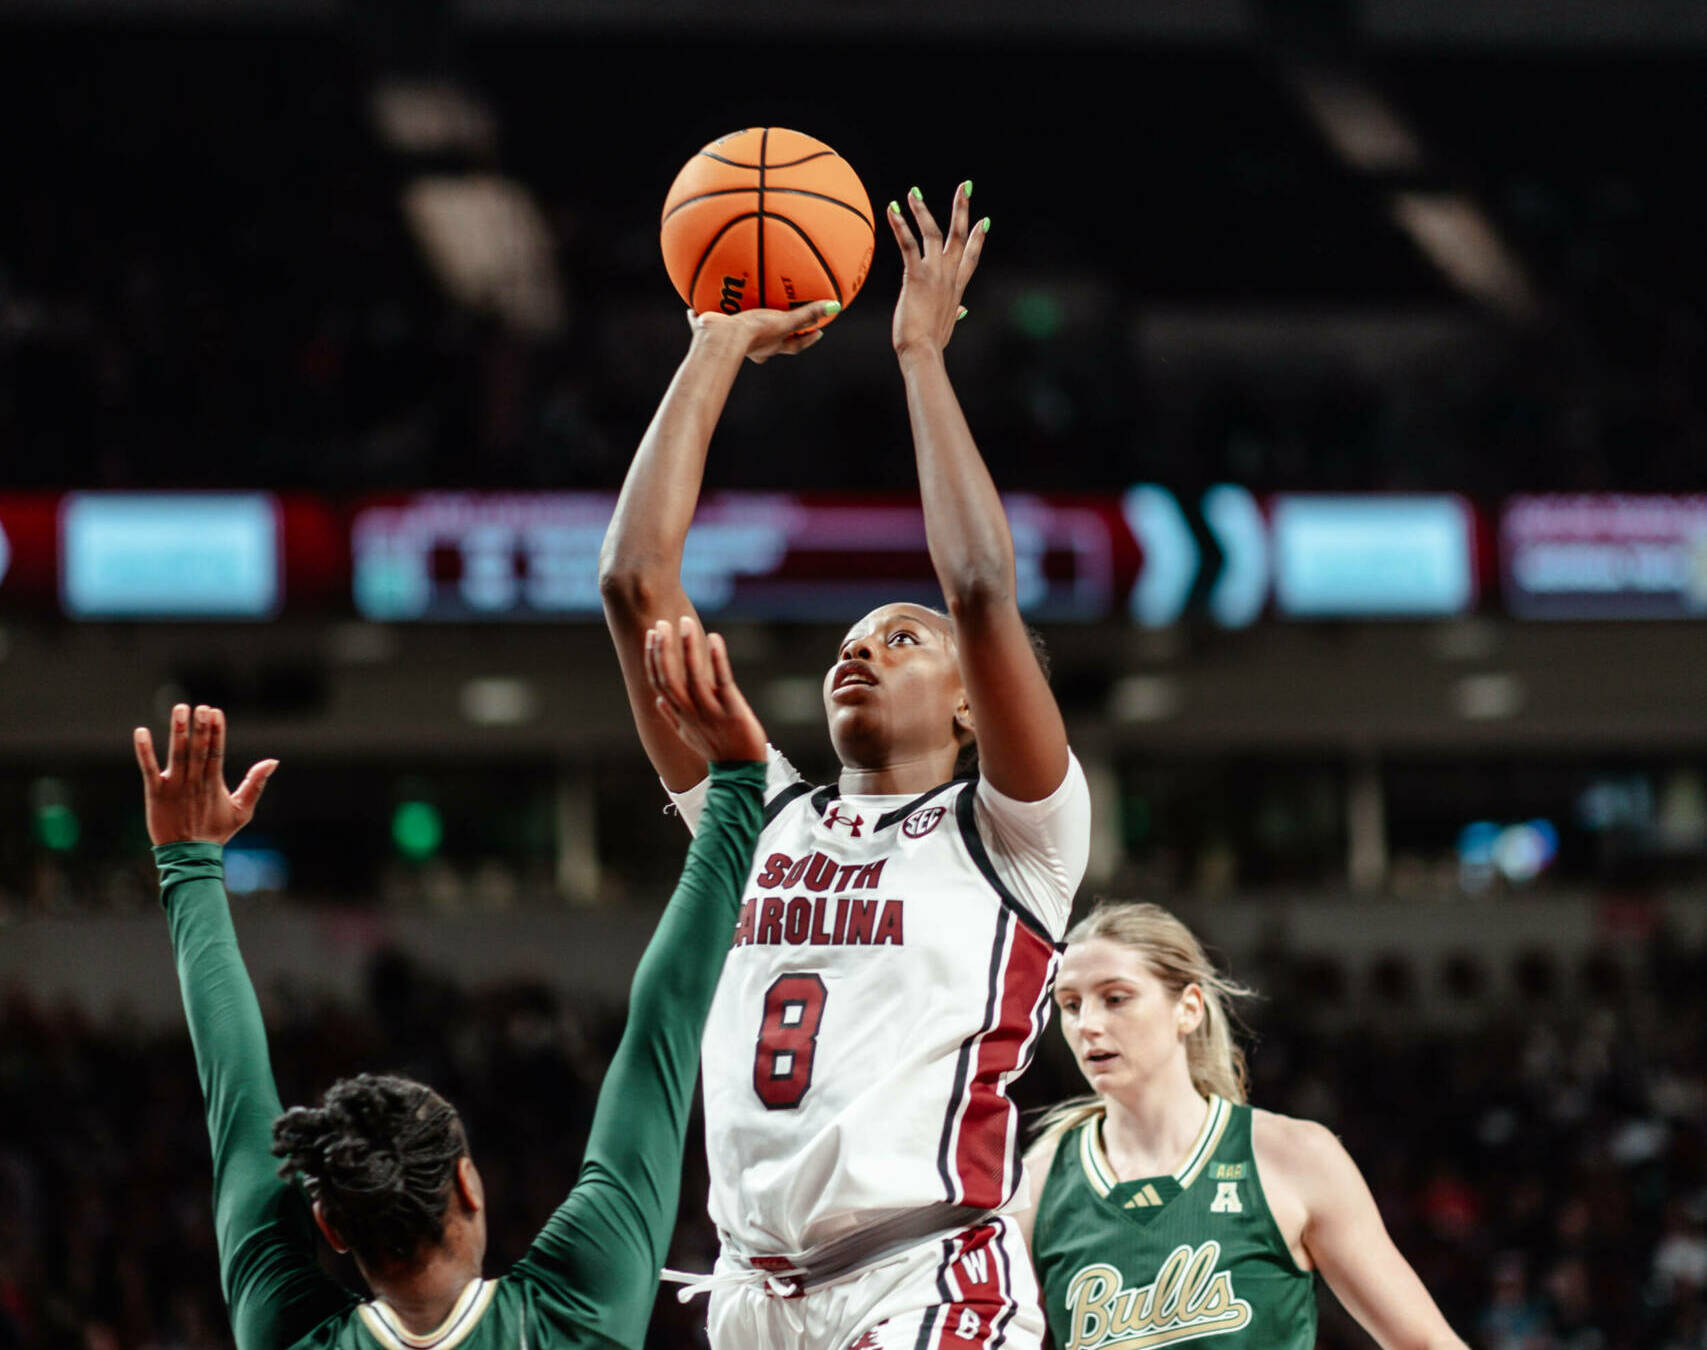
[(856, 729), (858, 718)]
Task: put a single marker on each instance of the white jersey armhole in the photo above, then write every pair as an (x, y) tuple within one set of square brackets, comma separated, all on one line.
[(779, 773), (1040, 849)]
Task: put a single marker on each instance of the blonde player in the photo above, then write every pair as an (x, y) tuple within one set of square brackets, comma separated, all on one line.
[(1165, 1209), (889, 973)]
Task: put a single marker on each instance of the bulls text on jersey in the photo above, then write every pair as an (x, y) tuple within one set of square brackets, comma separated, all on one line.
[(1189, 1299)]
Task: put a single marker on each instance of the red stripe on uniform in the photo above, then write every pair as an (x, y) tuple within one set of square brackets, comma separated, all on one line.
[(987, 1123), (979, 1282)]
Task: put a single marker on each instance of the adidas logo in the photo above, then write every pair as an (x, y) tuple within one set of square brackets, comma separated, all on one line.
[(1145, 1198)]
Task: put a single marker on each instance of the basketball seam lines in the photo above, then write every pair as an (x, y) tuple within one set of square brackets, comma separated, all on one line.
[(738, 164), (764, 142), (693, 286), (793, 192), (806, 239)]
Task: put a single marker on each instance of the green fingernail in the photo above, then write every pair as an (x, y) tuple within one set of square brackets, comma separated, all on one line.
[(958, 317), (833, 307), (895, 207), (984, 224), (916, 195), (966, 187)]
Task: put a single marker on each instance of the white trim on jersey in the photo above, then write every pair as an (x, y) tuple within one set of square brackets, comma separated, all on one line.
[(1099, 1171), (387, 1328), (1220, 1112)]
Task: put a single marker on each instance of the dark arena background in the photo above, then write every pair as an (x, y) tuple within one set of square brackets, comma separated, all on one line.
[(1346, 363)]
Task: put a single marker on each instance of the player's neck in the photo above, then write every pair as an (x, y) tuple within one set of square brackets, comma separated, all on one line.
[(900, 777), (424, 1297), (1148, 1134)]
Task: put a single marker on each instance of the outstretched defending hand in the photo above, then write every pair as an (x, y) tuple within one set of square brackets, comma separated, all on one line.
[(936, 271), (764, 333), (189, 801), (696, 693)]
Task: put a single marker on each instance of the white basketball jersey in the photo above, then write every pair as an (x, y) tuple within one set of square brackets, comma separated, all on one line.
[(884, 985)]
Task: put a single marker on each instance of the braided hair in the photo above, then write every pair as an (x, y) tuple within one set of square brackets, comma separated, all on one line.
[(379, 1154)]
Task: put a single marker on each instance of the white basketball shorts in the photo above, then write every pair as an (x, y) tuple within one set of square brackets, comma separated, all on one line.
[(972, 1290)]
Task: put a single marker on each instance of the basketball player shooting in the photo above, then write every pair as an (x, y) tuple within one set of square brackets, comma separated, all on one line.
[(890, 969)]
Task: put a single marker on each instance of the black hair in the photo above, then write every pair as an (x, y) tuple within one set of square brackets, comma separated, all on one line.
[(379, 1153), (966, 762)]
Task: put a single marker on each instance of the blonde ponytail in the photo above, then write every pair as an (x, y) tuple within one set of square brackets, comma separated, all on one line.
[(1177, 959)]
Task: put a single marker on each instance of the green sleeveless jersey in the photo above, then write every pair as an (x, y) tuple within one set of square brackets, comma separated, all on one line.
[(1130, 1265)]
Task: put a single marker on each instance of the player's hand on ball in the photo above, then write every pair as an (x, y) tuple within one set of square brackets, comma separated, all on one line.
[(189, 800), (935, 270), (697, 695), (764, 333)]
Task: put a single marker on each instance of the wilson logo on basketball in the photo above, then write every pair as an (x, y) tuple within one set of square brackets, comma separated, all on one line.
[(1189, 1299), (921, 823)]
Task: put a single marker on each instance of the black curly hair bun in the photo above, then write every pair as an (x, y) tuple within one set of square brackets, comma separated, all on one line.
[(379, 1153)]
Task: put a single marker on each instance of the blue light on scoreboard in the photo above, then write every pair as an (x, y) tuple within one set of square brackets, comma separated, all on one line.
[(1345, 557), (161, 555)]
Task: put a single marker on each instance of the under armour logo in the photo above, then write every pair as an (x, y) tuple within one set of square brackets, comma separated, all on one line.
[(836, 818)]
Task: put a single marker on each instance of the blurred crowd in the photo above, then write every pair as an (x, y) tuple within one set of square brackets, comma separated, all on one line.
[(1546, 1172), (198, 290), (172, 364)]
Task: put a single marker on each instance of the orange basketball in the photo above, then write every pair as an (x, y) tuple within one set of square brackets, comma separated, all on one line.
[(766, 219)]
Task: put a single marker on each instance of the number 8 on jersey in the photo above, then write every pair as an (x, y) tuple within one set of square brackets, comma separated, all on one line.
[(788, 1040)]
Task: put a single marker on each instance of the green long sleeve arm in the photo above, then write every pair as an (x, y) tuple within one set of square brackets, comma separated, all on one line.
[(598, 1257), (274, 1290)]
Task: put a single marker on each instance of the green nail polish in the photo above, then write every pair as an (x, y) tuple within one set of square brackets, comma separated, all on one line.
[(984, 224), (895, 207), (916, 195), (958, 317), (966, 187), (834, 307)]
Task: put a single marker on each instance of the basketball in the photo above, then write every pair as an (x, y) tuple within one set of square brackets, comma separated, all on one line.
[(766, 219)]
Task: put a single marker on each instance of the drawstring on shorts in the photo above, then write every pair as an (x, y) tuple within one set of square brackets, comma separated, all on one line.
[(781, 1283)]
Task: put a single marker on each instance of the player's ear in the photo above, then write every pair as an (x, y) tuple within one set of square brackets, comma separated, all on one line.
[(965, 726), (469, 1188), (1190, 1009), (328, 1232)]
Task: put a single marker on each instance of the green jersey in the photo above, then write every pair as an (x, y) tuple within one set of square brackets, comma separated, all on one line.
[(590, 1278), (1130, 1265)]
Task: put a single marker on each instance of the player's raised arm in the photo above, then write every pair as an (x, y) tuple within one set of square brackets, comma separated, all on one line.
[(640, 566), (601, 1252), (274, 1288), (1022, 742)]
